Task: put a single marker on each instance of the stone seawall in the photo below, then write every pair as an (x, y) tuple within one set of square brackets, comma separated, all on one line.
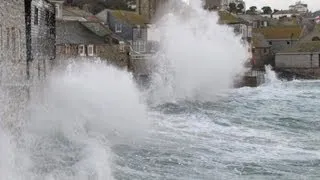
[(298, 73)]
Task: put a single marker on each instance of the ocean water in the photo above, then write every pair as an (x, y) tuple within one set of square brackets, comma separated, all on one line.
[(92, 122), (269, 132)]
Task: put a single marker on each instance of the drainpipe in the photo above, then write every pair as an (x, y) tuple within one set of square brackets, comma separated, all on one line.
[(291, 40)]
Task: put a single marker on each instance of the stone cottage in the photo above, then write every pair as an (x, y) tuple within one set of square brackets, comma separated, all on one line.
[(130, 26), (27, 39), (81, 34), (75, 40)]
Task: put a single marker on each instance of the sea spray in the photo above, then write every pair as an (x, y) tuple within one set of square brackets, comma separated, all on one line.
[(270, 76), (74, 121), (198, 57)]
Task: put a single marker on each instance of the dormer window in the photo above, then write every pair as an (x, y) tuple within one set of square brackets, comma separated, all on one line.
[(118, 28)]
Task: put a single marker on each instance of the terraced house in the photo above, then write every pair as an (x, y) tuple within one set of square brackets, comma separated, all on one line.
[(27, 39), (81, 35)]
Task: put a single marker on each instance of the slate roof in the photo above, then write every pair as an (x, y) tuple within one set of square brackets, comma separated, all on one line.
[(75, 11), (73, 32), (280, 32), (251, 18)]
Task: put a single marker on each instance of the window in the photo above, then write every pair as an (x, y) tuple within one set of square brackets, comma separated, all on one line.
[(52, 24), (82, 50), (142, 46), (8, 38), (270, 42), (138, 32), (288, 42), (68, 49), (139, 46), (1, 38), (118, 28), (122, 46), (316, 38), (47, 18), (90, 50), (13, 40), (19, 44), (36, 16)]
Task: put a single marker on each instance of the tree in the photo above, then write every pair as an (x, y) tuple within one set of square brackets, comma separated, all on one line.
[(275, 10), (240, 7), (252, 10), (95, 6), (232, 7), (266, 10)]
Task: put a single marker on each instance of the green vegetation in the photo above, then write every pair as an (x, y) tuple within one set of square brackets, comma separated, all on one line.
[(227, 18), (96, 6), (130, 17), (266, 10), (252, 10)]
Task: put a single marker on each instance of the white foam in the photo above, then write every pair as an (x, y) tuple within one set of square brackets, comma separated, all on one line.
[(74, 120), (198, 57)]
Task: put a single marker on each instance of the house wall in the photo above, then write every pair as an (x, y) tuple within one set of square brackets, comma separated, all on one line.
[(13, 94), (277, 16), (42, 39), (278, 45), (297, 60), (111, 53), (126, 32), (262, 57)]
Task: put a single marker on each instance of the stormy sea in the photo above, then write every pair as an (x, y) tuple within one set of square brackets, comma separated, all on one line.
[(93, 122)]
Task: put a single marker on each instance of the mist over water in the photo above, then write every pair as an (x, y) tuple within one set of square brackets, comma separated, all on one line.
[(198, 57)]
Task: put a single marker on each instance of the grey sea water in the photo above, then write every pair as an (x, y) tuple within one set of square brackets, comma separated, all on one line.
[(269, 132)]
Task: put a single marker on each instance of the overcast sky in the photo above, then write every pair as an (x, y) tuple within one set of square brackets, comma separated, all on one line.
[(313, 5)]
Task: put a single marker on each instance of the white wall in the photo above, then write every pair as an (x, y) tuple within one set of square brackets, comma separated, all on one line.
[(295, 60)]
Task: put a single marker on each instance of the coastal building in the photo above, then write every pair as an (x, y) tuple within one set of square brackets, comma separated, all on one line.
[(130, 26), (81, 34), (280, 37), (27, 39), (304, 57), (299, 7), (285, 13), (257, 21), (261, 52)]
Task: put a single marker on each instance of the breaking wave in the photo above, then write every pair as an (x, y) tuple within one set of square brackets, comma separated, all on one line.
[(73, 124)]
